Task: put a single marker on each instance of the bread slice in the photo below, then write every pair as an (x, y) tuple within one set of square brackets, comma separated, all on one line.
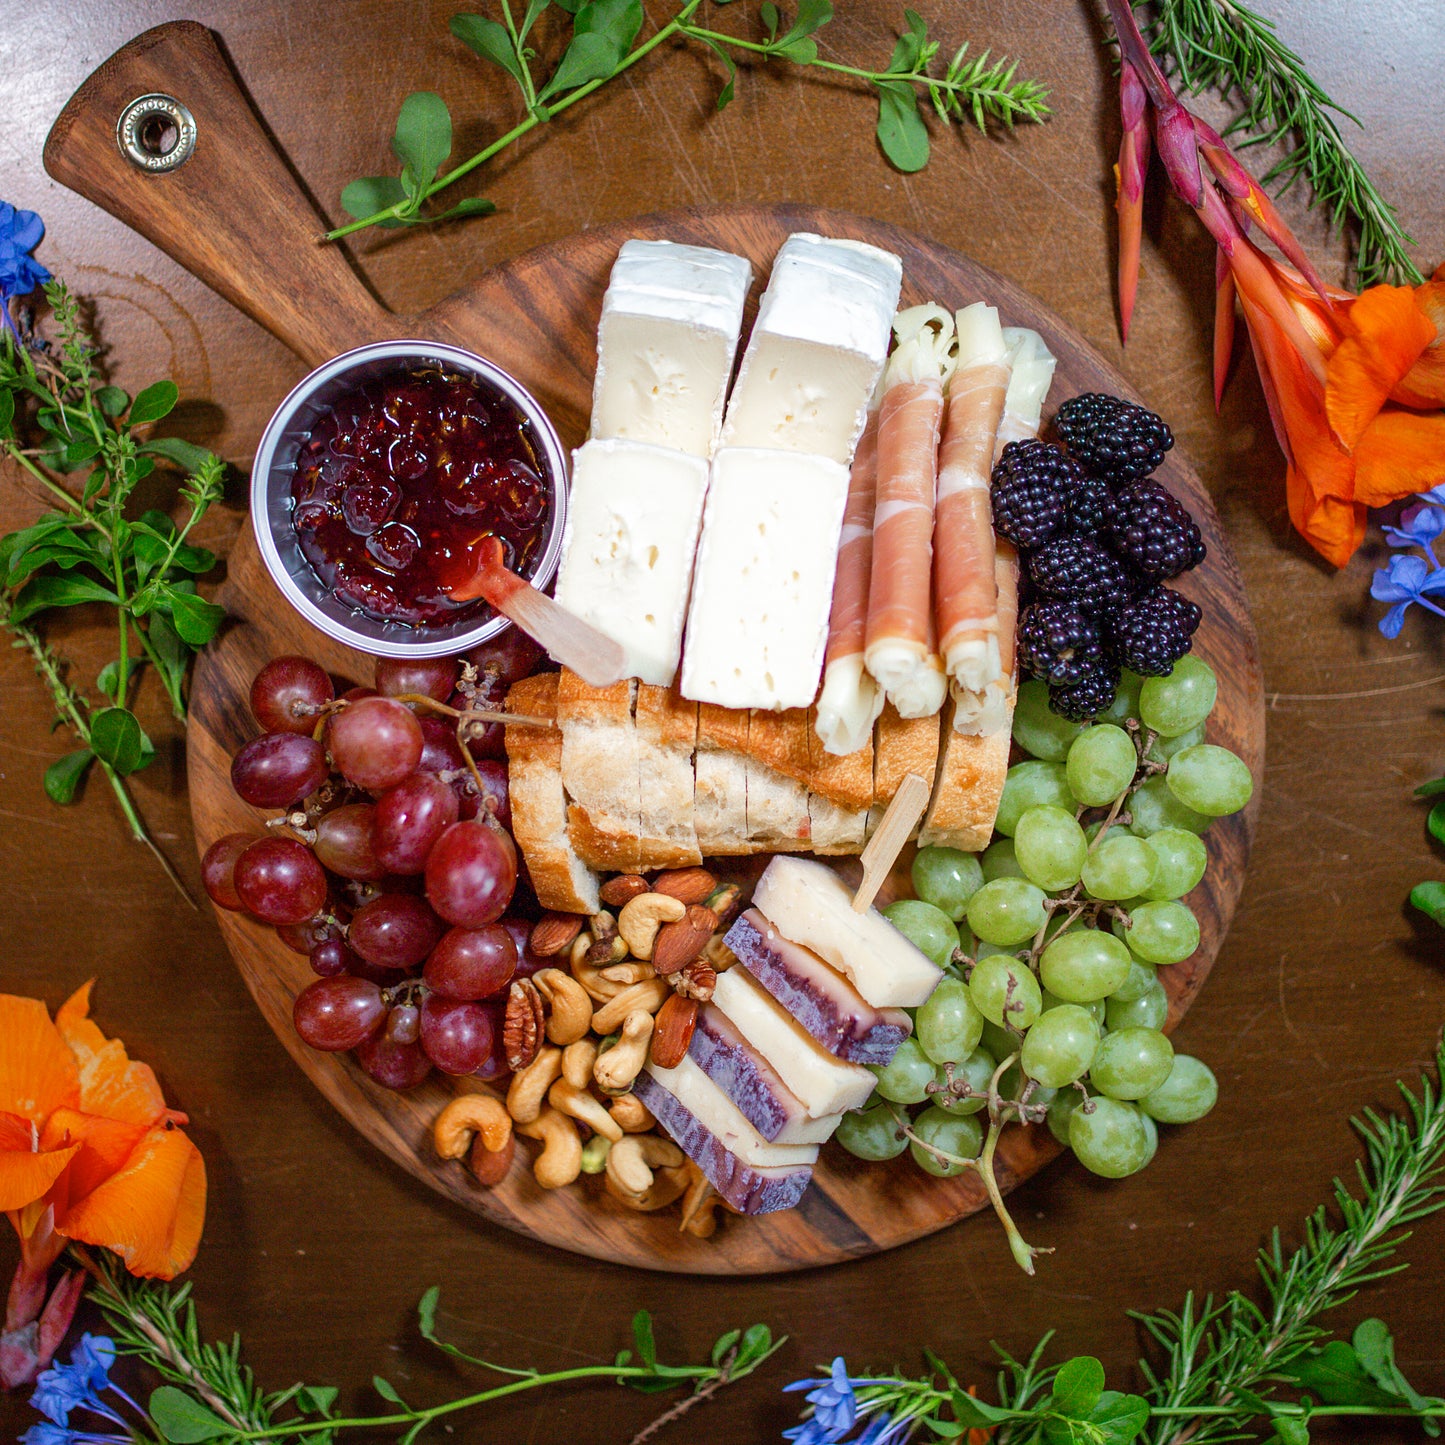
[(600, 771), (971, 774), (900, 746), (846, 780), (836, 829), (720, 791), (666, 724), (559, 877)]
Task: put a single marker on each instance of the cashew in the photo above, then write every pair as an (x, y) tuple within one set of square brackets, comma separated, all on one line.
[(529, 1086), (615, 1069), (571, 1013), (581, 1105), (642, 916), (629, 973), (699, 1204), (577, 1062), (634, 1116), (560, 1161), (590, 975), (644, 1172), (649, 996), (470, 1114)]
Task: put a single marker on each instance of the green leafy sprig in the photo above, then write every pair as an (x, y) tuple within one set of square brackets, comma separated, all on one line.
[(604, 44), (90, 549), (1429, 897), (1223, 45)]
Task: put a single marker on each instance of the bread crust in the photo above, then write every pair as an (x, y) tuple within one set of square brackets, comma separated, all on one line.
[(970, 782)]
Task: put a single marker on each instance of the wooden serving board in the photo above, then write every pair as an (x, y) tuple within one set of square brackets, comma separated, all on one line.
[(254, 240)]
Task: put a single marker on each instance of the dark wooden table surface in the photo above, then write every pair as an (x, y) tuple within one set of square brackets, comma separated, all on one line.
[(316, 1248)]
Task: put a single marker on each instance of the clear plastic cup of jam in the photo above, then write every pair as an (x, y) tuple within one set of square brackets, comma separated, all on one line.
[(379, 476)]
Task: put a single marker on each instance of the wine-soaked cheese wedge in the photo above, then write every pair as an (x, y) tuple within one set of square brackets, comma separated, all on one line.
[(810, 904), (816, 349), (633, 519), (754, 1176), (666, 342), (823, 1002), (822, 1083)]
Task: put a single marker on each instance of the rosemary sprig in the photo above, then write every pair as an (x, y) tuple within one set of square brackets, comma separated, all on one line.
[(1223, 45)]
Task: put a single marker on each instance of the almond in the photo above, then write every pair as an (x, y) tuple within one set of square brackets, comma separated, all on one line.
[(554, 932), (687, 885), (678, 944), (616, 891), (489, 1167), (672, 1031)]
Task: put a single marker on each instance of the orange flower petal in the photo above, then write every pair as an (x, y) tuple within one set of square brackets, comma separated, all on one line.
[(110, 1083), (105, 1146), (1334, 528), (27, 1174), (1401, 452), (1386, 332), (37, 1072), (1424, 384)]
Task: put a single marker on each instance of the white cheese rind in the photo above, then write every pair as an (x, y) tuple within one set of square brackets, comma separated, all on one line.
[(632, 526), (758, 623), (823, 1083), (816, 349), (666, 342), (811, 905)]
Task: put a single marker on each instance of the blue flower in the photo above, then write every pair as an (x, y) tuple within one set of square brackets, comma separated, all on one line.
[(20, 272), (45, 1433), (58, 1391), (1435, 494), (1419, 527), (1406, 580), (92, 1359), (61, 1389), (885, 1430)]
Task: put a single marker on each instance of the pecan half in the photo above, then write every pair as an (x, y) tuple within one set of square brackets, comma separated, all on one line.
[(681, 942), (616, 891), (687, 885), (525, 1023), (553, 933), (672, 1031), (696, 981)]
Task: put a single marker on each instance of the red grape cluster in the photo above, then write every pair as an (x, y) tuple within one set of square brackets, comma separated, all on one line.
[(390, 866)]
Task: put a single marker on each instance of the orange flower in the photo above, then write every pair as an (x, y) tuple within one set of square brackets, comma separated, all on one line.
[(88, 1152)]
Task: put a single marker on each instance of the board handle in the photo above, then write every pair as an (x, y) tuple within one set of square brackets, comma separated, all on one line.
[(162, 136)]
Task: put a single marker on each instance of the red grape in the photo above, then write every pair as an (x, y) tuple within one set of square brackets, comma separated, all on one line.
[(332, 956), (457, 1036), (396, 1066), (303, 937), (344, 842), (409, 818), (355, 694), (471, 874), (280, 881), (403, 1024), (382, 977), (528, 963), (495, 798), (440, 751), (276, 769), (472, 963), (495, 1065), (485, 740), (397, 930), (433, 677), (334, 1014), (288, 693), (508, 657), (218, 867), (375, 743)]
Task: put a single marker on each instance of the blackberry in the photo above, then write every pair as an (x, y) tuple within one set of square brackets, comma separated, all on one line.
[(1058, 642), (1079, 569), (1152, 531), (1030, 492), (1112, 437), (1151, 633), (1091, 504), (1085, 700)]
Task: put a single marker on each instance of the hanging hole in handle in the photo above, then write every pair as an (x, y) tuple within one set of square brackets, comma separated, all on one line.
[(156, 133)]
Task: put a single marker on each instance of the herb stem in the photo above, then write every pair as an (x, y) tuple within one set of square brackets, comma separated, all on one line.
[(53, 487)]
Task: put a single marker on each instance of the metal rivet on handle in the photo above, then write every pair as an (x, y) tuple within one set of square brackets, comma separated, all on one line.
[(156, 133)]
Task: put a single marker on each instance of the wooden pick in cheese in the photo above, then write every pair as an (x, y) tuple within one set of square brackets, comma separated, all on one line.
[(889, 837)]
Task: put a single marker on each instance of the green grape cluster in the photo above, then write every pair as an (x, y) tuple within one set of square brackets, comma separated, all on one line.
[(1051, 1010)]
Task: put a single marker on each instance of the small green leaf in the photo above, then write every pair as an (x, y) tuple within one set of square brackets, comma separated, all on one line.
[(813, 15), (589, 57), (367, 195), (642, 1336), (623, 1359), (769, 14), (423, 138), (42, 592), (109, 679), (490, 40), (1077, 1387), (757, 1340), (725, 95), (386, 1390), (63, 776), (901, 131), (975, 1413), (724, 1344), (1120, 1417), (803, 51), (195, 619), (946, 1429), (156, 401), (112, 400), (7, 410), (1291, 1430), (1429, 898), (534, 12), (619, 20), (1335, 1375), (471, 206), (316, 1399), (72, 455), (426, 1313), (1375, 1348), (1428, 790), (183, 1420), (909, 49), (116, 738), (93, 484), (1436, 821), (186, 455)]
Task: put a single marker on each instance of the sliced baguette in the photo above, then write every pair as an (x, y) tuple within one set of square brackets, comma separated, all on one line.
[(720, 789), (971, 774), (600, 771), (666, 724), (900, 746)]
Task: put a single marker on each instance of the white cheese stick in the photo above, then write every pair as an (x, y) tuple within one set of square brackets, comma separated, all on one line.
[(1030, 376)]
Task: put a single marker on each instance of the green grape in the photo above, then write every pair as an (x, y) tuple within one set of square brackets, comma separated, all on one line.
[(1136, 983), (929, 929), (1151, 1133), (1162, 748), (1000, 861), (872, 1134), (998, 1041), (947, 878), (1162, 933), (989, 987), (906, 1076), (1060, 1046), (1084, 966), (1210, 780), (1110, 1138), (954, 1133), (1126, 699), (1027, 786), (1180, 860), (948, 1026), (1061, 1108), (1006, 911), (1189, 1092), (1119, 866), (1050, 847), (1148, 1011), (1037, 728), (1102, 763), (1094, 1008), (1131, 1063), (1174, 704), (977, 1072), (1153, 808), (1013, 1081)]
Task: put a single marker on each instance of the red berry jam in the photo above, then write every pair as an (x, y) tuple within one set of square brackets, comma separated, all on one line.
[(403, 478)]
